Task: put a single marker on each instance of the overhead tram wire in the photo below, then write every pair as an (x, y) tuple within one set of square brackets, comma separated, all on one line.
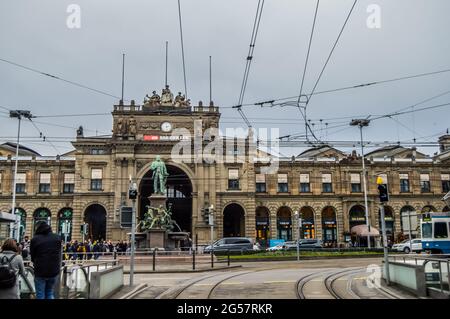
[(248, 63), (331, 53), (182, 49), (303, 113), (43, 137), (271, 103), (60, 79)]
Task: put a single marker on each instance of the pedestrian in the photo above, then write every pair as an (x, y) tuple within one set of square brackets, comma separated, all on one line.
[(10, 259), (45, 252)]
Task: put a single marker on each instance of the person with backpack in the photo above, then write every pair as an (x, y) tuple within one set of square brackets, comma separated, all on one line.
[(46, 251), (11, 266)]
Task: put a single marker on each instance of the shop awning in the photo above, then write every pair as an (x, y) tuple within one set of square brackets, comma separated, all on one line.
[(362, 231)]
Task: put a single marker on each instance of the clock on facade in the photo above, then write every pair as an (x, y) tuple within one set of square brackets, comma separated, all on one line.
[(166, 127)]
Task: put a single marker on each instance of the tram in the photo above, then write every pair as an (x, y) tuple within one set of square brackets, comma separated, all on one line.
[(435, 233)]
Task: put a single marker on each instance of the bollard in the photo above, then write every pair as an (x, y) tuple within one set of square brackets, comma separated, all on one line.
[(193, 260), (228, 258), (115, 258), (212, 259), (154, 259)]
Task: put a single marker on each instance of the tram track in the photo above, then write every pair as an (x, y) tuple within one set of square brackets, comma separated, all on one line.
[(331, 279)]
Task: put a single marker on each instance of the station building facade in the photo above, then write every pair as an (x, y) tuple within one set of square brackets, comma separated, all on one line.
[(322, 185)]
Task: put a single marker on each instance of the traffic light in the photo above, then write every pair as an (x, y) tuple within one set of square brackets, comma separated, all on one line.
[(126, 216), (84, 228), (205, 214), (383, 192), (132, 192)]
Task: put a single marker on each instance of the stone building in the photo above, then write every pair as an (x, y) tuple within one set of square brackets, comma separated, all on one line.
[(323, 184)]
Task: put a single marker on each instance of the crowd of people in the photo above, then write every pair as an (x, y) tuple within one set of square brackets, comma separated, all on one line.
[(88, 249)]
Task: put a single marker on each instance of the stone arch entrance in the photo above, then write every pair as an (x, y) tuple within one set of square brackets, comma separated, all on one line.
[(41, 214), (284, 223), (178, 192), (233, 221), (65, 217), (329, 225), (95, 216), (262, 220), (308, 230)]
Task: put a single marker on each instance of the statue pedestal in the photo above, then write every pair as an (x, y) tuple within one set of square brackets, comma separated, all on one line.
[(156, 238), (157, 200)]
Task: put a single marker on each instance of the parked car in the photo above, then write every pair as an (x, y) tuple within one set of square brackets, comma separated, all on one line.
[(311, 243), (405, 246), (304, 243), (276, 247), (231, 244), (290, 245)]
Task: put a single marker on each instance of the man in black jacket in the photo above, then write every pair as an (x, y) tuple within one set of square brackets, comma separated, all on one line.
[(45, 249)]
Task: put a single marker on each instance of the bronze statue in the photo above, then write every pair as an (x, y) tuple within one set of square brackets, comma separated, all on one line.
[(159, 176)]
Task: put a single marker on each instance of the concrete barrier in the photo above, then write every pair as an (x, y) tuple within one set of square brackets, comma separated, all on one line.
[(409, 277), (105, 282)]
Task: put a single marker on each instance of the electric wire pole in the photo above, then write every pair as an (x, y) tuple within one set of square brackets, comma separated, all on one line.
[(363, 123), (15, 230)]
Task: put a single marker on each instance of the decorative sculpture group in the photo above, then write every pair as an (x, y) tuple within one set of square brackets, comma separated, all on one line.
[(158, 218), (126, 127), (166, 99)]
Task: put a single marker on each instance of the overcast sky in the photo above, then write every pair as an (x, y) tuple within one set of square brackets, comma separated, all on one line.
[(414, 38)]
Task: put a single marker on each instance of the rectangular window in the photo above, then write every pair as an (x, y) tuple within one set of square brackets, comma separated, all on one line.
[(96, 179), (69, 182), (21, 180), (233, 178), (440, 230), (304, 183), (260, 183), (327, 186), (425, 183), (404, 183), (445, 178), (44, 182), (283, 183), (355, 180)]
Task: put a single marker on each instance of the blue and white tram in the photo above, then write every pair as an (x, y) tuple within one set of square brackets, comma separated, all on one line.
[(435, 228)]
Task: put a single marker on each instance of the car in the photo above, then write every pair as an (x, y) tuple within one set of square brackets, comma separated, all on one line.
[(290, 245), (276, 247), (311, 243), (304, 243), (405, 246), (231, 244)]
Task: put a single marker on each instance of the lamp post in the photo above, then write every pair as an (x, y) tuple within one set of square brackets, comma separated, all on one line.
[(132, 194), (17, 114), (299, 221), (363, 123)]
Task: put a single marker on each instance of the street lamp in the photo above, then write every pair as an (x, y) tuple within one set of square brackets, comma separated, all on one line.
[(363, 123), (17, 114), (299, 222)]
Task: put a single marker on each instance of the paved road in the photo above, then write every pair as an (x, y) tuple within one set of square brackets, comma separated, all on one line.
[(309, 279)]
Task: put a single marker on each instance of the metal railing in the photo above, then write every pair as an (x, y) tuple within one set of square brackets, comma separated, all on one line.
[(436, 268)]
